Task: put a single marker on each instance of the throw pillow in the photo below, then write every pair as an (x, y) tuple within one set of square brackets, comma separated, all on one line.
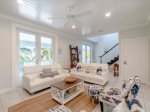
[(44, 75), (133, 93), (99, 71), (135, 105), (49, 74), (79, 68)]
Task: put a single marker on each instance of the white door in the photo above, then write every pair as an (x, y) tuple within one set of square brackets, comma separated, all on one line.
[(128, 58), (140, 58), (34, 49), (134, 58)]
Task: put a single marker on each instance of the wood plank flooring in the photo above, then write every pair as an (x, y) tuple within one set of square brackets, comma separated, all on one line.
[(43, 102)]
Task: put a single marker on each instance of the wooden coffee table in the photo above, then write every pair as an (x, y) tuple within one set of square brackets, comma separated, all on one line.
[(63, 92)]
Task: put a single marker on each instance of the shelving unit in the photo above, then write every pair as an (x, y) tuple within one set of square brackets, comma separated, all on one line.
[(74, 56)]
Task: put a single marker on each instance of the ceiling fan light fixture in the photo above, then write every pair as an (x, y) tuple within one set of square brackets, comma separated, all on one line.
[(20, 1), (73, 26), (108, 14)]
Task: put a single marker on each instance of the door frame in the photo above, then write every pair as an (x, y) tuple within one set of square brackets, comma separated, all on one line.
[(122, 57), (15, 47)]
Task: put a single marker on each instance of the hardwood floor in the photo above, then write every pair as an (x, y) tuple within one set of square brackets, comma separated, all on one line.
[(44, 102)]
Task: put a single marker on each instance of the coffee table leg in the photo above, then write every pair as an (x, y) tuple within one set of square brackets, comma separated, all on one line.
[(63, 96), (101, 105)]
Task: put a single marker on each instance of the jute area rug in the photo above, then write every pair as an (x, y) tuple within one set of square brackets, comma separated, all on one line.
[(44, 102)]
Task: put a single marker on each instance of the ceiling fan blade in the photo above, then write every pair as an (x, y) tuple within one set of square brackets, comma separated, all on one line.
[(83, 14)]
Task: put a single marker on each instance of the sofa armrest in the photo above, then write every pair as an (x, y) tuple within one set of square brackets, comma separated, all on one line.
[(28, 78), (26, 82)]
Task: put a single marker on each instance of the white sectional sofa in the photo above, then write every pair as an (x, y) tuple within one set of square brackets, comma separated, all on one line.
[(32, 81), (92, 76)]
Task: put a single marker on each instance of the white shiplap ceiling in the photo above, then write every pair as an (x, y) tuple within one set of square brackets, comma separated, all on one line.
[(125, 14)]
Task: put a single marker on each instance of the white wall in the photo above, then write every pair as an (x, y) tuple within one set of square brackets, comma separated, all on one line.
[(64, 57), (105, 42), (5, 54), (138, 32), (63, 41)]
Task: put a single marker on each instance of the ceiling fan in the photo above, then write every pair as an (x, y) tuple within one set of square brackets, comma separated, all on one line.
[(71, 17)]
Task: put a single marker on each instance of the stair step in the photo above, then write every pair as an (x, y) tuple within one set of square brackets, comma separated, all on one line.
[(113, 60), (116, 58)]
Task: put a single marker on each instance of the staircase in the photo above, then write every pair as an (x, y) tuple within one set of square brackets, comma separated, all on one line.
[(111, 56), (113, 60)]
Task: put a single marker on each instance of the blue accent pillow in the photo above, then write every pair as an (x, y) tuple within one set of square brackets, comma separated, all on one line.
[(133, 102), (135, 90)]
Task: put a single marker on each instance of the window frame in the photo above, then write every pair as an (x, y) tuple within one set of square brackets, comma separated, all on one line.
[(90, 46), (37, 43)]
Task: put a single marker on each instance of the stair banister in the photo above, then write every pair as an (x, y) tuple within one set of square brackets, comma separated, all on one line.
[(101, 57)]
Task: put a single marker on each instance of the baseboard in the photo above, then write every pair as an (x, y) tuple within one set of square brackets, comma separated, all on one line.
[(2, 91)]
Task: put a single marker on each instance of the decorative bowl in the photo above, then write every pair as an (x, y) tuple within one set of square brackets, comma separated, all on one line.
[(70, 79)]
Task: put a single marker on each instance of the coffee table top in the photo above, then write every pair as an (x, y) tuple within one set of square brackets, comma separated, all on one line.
[(62, 85)]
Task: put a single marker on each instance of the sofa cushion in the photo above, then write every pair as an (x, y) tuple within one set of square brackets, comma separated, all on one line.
[(47, 70), (39, 82), (97, 65), (56, 67), (89, 69), (60, 76), (33, 75)]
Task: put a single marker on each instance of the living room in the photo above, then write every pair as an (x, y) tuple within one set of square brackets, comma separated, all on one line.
[(112, 42)]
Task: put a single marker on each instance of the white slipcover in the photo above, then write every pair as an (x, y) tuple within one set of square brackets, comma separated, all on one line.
[(32, 81), (92, 77)]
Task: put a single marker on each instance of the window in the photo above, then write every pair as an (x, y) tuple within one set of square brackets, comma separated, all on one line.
[(46, 51), (27, 49), (86, 53), (34, 49)]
